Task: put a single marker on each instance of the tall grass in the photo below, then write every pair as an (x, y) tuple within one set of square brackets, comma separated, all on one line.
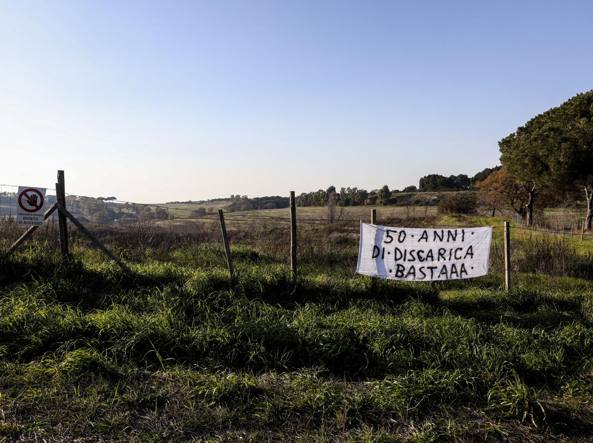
[(173, 352), (553, 254)]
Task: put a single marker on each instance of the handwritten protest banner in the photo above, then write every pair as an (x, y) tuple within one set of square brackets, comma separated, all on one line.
[(416, 254)]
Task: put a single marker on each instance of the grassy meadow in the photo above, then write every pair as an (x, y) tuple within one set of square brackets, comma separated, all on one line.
[(173, 352)]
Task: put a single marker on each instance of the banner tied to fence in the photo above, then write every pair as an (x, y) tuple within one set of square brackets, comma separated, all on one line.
[(416, 254)]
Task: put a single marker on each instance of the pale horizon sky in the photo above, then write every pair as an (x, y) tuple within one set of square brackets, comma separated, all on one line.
[(185, 100)]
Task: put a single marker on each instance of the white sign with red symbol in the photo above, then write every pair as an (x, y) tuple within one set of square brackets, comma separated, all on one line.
[(30, 202)]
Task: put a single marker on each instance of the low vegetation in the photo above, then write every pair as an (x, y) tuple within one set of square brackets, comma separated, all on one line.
[(172, 352)]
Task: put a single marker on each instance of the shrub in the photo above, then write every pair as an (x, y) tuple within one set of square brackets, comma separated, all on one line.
[(458, 203), (555, 255)]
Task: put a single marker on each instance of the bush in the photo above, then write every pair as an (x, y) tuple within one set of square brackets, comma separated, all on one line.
[(458, 203), (554, 255)]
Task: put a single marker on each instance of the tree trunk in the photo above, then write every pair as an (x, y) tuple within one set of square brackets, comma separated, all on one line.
[(493, 211), (589, 216), (529, 207)]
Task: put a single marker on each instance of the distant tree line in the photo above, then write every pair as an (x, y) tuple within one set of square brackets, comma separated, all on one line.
[(249, 204), (384, 196), (436, 182), (106, 210), (345, 197)]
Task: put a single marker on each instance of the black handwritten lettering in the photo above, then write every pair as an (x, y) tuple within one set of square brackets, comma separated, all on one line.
[(462, 271), (376, 252), (388, 236), (421, 269), (470, 252), (432, 269), (436, 235), (453, 271), (411, 272), (442, 252), (424, 236)]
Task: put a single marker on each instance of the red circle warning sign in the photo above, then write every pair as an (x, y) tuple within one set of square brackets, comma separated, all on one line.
[(30, 200)]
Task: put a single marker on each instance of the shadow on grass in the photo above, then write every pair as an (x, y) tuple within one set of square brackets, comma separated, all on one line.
[(521, 308), (74, 283)]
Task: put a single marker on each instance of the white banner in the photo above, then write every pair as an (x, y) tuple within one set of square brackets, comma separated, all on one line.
[(30, 202), (417, 254)]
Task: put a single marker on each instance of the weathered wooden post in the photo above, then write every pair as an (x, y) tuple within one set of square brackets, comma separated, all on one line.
[(373, 216), (507, 256), (227, 247), (293, 237), (62, 222), (30, 231)]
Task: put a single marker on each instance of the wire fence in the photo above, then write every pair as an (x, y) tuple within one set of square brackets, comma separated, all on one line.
[(110, 212)]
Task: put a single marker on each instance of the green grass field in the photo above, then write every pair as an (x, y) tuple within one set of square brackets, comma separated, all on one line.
[(173, 353)]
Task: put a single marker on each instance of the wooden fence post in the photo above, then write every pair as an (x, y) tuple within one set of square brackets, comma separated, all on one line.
[(373, 216), (62, 223), (30, 231), (94, 239), (227, 247), (293, 237), (507, 256)]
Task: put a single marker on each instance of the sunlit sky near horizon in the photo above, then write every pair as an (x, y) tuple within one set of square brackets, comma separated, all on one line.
[(176, 100)]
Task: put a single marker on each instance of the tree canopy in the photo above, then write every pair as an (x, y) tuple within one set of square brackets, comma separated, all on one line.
[(554, 148), (483, 175), (437, 182)]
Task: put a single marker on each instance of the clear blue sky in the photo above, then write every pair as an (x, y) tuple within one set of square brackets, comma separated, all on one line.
[(175, 100)]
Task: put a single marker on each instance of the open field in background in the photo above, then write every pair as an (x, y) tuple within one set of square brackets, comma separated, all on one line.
[(172, 352), (316, 212), (185, 210), (558, 219)]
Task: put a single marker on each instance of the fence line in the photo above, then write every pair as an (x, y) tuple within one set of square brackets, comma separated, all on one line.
[(247, 216)]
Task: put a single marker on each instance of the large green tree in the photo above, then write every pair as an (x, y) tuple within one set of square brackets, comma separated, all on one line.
[(554, 149)]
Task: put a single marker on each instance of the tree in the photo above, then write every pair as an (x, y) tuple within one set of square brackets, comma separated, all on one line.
[(437, 182), (161, 213), (410, 188), (482, 175), (500, 189), (384, 195), (458, 203), (555, 149)]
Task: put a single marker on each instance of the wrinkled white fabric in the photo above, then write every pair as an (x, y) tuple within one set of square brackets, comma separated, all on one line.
[(416, 254)]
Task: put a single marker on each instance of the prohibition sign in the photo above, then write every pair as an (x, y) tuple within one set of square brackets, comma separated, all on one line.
[(31, 200)]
